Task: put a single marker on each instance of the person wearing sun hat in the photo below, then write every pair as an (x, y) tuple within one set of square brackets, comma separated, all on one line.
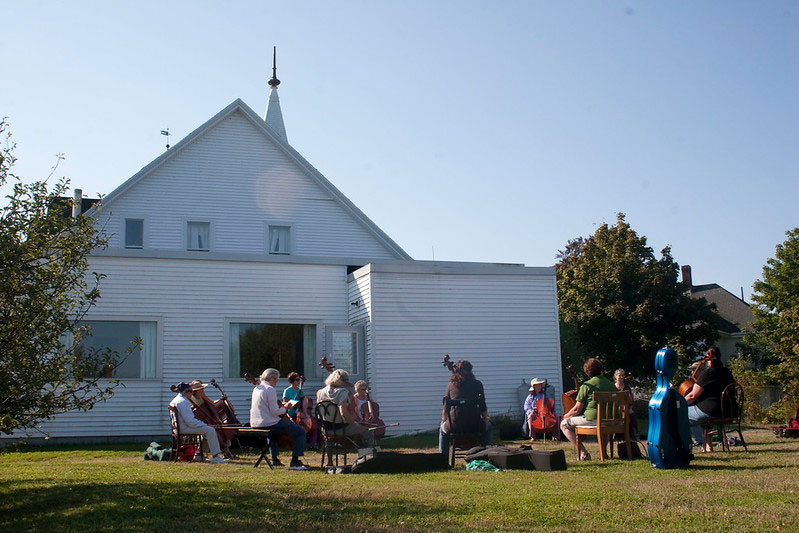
[(537, 392), (190, 425)]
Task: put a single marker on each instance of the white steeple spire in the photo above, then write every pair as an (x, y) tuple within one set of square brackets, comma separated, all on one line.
[(274, 117)]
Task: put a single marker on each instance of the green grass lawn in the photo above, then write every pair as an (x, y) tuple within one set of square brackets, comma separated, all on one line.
[(111, 488)]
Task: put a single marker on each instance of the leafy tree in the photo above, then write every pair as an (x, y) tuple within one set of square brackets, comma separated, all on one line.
[(620, 303), (44, 293), (776, 325)]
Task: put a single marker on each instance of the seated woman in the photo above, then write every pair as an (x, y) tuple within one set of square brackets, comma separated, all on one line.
[(531, 403), (336, 389), (292, 393), (464, 386), (585, 410), (704, 399)]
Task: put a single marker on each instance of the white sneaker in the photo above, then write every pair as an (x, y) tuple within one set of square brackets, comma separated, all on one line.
[(218, 460)]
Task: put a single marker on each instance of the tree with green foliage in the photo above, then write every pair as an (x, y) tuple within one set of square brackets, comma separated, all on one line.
[(620, 303), (776, 326), (44, 294)]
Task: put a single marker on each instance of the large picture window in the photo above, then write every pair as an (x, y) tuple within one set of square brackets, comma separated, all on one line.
[(117, 335), (255, 347)]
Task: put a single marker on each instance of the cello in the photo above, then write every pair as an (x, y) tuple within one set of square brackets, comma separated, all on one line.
[(545, 420), (223, 407), (305, 417), (206, 412), (688, 384), (569, 398), (370, 414)]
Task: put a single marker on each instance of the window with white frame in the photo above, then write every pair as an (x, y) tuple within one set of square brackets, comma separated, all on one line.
[(254, 347), (134, 233), (279, 239), (120, 336), (198, 236), (344, 348)]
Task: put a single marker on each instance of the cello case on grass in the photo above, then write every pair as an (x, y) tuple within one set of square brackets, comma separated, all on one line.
[(669, 440)]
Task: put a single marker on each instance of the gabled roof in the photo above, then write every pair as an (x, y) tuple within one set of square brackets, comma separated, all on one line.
[(315, 175), (735, 314)]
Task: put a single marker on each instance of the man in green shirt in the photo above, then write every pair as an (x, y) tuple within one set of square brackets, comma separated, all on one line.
[(584, 411)]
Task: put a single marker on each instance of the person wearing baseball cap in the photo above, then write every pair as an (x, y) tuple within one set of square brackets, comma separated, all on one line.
[(190, 425)]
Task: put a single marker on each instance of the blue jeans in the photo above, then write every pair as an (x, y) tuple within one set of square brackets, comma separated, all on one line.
[(443, 438), (297, 432), (696, 417)]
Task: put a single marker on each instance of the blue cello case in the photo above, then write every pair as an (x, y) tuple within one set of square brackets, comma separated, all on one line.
[(669, 439)]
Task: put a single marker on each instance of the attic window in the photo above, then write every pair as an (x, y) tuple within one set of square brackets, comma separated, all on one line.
[(198, 236), (134, 232), (279, 239)]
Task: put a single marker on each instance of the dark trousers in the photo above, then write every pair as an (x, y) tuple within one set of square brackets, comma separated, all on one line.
[(296, 432)]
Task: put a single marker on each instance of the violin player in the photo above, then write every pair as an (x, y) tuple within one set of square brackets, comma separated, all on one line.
[(584, 411), (537, 394), (337, 390), (266, 412), (704, 399), (463, 385), (189, 424)]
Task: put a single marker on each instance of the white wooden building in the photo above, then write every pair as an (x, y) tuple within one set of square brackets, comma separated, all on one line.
[(231, 237)]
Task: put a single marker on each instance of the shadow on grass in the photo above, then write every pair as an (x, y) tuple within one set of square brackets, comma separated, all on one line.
[(166, 506)]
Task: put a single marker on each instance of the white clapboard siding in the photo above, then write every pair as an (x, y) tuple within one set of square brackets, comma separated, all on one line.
[(360, 315), (191, 300), (240, 181), (504, 320)]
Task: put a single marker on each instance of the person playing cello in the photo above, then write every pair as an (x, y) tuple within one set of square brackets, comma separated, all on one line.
[(189, 424), (463, 385), (205, 410), (534, 400)]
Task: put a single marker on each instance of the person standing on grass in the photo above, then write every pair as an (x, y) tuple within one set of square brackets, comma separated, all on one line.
[(585, 410), (265, 413), (464, 386), (191, 426)]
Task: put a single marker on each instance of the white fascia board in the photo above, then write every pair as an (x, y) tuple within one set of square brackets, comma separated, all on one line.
[(228, 256), (451, 268)]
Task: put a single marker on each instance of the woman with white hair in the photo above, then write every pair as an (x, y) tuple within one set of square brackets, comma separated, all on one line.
[(266, 413), (336, 390)]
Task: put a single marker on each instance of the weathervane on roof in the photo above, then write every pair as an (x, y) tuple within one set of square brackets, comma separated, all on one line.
[(166, 132), (274, 82)]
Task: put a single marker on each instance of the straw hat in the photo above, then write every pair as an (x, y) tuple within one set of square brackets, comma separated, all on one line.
[(197, 385), (536, 381)]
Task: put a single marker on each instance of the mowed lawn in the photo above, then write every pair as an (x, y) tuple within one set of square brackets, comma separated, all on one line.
[(104, 488)]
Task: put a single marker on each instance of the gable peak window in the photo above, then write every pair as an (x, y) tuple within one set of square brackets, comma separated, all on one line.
[(198, 236), (134, 233), (279, 239)]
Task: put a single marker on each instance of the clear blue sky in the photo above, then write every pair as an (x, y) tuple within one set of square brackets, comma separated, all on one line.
[(486, 131)]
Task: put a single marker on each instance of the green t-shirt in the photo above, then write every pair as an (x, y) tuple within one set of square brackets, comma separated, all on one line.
[(585, 394)]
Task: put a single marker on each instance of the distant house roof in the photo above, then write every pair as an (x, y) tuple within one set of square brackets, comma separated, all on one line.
[(64, 205), (735, 314)]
